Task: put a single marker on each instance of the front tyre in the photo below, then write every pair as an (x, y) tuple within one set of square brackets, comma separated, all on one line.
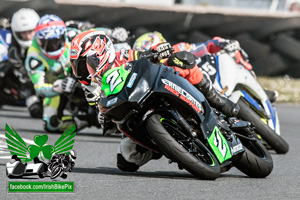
[(191, 154)]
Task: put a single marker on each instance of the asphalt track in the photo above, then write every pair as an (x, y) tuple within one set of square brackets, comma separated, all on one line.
[(96, 176)]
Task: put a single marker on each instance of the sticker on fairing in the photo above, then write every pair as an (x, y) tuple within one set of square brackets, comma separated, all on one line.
[(219, 145), (131, 80), (112, 102), (182, 94), (114, 80)]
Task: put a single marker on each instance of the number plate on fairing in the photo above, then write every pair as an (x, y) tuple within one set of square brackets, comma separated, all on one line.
[(219, 145)]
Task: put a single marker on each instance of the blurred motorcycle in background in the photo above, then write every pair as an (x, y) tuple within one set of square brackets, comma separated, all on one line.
[(241, 86)]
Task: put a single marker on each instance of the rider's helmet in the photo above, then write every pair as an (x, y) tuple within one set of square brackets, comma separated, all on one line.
[(92, 53), (51, 36), (147, 40), (73, 154), (23, 22)]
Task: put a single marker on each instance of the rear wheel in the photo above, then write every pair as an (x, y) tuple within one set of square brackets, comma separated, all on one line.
[(274, 140), (191, 154), (256, 161)]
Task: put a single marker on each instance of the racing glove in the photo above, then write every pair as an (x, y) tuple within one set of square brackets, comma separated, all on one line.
[(182, 59), (163, 50), (66, 85), (185, 64), (231, 45)]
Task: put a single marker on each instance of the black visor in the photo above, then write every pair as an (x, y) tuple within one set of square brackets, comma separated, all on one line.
[(80, 70), (53, 44)]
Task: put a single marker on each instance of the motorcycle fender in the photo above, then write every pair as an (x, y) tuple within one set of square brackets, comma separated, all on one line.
[(219, 145)]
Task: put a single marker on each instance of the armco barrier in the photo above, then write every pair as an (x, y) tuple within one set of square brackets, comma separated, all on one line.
[(272, 40)]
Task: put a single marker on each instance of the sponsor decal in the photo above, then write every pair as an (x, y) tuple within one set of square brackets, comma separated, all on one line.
[(74, 52), (112, 101), (236, 148), (131, 80), (182, 94)]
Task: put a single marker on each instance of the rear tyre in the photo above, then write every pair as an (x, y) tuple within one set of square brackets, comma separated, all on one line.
[(256, 161), (274, 140), (192, 155)]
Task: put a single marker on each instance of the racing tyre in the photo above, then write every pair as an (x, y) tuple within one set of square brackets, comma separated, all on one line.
[(191, 155), (274, 140), (256, 161)]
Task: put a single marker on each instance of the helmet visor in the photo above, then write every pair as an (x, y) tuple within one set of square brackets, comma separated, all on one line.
[(53, 44), (25, 35), (92, 64), (80, 71)]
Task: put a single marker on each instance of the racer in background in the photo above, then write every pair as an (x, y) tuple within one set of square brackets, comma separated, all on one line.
[(92, 54), (23, 25), (232, 47), (48, 65)]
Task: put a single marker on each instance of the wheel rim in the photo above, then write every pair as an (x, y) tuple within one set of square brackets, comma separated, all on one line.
[(255, 149), (193, 146)]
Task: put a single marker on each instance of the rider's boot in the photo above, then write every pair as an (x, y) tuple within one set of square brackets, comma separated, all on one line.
[(35, 106), (132, 156), (219, 102), (272, 95)]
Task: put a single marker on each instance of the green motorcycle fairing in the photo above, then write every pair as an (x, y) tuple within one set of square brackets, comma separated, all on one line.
[(219, 145), (114, 80)]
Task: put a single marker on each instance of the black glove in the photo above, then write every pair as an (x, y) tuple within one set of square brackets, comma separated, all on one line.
[(164, 50), (231, 45), (182, 59), (66, 85)]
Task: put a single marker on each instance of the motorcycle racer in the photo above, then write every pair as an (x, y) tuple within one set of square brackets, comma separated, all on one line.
[(23, 25), (49, 68), (92, 54), (147, 40), (48, 64)]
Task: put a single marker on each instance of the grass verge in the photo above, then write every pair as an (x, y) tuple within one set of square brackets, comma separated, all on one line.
[(287, 87)]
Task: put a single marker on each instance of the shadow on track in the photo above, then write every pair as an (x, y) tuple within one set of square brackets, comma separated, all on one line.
[(157, 174)]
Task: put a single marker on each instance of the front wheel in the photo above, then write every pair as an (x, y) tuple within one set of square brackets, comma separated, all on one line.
[(191, 154)]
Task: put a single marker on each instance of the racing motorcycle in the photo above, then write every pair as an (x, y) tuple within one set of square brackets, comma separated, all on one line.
[(60, 165), (163, 112), (9, 85), (240, 86)]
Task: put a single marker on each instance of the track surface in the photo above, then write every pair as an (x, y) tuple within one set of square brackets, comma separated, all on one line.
[(96, 176)]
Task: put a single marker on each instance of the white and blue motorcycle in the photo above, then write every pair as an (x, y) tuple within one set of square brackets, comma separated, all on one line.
[(240, 85)]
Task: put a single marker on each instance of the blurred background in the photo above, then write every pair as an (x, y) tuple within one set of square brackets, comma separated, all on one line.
[(268, 30)]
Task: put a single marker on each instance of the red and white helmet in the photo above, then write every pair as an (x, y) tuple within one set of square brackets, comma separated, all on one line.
[(92, 53)]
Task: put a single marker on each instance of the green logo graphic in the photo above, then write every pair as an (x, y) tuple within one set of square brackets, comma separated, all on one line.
[(114, 80), (18, 147), (219, 145)]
